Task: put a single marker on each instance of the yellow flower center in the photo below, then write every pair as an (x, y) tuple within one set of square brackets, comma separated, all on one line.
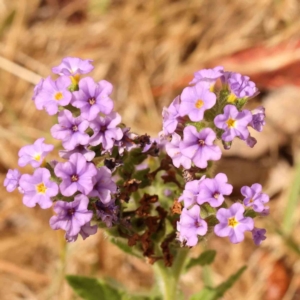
[(231, 123), (41, 188), (232, 222), (75, 79), (231, 98), (199, 104), (58, 96), (37, 157)]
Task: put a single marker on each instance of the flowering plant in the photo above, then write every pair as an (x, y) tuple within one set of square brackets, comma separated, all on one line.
[(155, 197)]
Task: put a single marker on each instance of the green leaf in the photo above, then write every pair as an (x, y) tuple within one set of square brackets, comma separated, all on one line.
[(125, 248), (206, 294), (293, 201), (209, 293), (92, 289), (250, 213), (206, 258), (223, 287)]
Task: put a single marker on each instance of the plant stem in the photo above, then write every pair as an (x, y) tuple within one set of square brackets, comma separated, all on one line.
[(168, 277)]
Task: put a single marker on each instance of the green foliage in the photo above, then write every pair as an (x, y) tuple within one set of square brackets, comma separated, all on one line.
[(209, 293), (205, 258), (142, 176), (125, 248), (293, 200), (92, 289), (250, 213)]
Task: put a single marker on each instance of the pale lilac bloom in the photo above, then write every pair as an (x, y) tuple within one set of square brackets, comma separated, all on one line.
[(34, 154), (213, 190), (240, 85), (71, 66), (85, 231), (173, 150), (251, 141), (190, 192), (168, 193), (70, 130), (71, 216), (126, 142), (38, 188), (234, 123), (190, 226), (76, 174), (37, 88), (258, 118), (258, 235), (170, 116), (156, 145), (93, 98), (11, 181), (53, 94), (208, 76), (104, 185), (232, 223), (106, 131), (199, 146), (108, 213), (88, 154), (254, 197), (265, 212), (195, 100)]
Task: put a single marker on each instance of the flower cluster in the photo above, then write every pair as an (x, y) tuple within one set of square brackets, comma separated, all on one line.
[(103, 171), (192, 124), (71, 187)]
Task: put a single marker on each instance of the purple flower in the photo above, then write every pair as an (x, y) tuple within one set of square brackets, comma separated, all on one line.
[(234, 123), (70, 130), (258, 235), (37, 88), (258, 118), (239, 85), (190, 192), (156, 145), (168, 193), (71, 216), (71, 66), (195, 100), (191, 225), (106, 131), (38, 188), (93, 98), (76, 174), (265, 212), (199, 146), (104, 185), (108, 213), (11, 181), (34, 154), (52, 94), (213, 190), (173, 150), (254, 197), (88, 154), (170, 117), (85, 231), (126, 142), (208, 76), (251, 141), (233, 223)]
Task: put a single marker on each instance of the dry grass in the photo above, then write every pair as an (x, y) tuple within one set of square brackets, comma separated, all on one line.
[(148, 49)]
